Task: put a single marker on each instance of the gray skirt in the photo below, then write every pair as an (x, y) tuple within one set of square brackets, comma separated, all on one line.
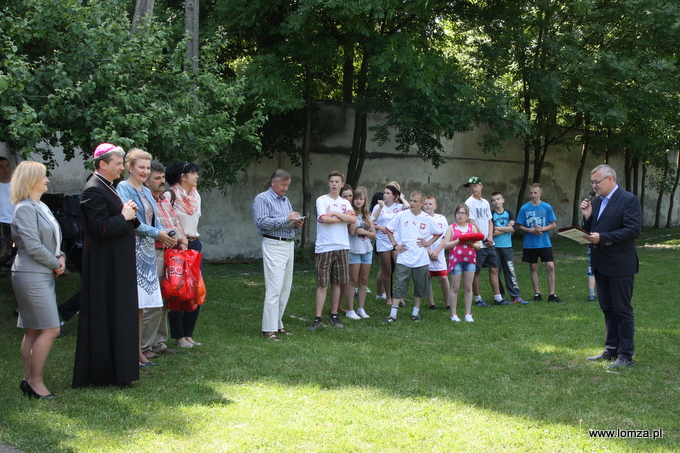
[(37, 300)]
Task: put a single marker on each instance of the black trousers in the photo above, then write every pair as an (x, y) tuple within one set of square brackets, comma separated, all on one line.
[(614, 295), (182, 323)]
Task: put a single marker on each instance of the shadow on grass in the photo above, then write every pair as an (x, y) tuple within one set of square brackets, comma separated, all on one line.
[(523, 362)]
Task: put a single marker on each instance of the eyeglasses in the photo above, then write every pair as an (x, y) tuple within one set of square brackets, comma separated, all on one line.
[(598, 181)]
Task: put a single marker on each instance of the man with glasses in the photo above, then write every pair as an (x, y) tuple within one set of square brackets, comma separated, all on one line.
[(614, 220)]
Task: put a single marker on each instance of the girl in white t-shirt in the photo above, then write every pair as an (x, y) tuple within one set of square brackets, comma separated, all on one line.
[(360, 254), (392, 204)]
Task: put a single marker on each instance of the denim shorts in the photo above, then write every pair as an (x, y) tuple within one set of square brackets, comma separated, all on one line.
[(363, 258), (462, 266)]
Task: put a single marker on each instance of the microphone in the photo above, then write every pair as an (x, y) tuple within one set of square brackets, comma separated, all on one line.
[(591, 195)]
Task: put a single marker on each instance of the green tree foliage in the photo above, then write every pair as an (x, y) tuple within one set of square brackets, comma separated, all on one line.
[(73, 75), (602, 72)]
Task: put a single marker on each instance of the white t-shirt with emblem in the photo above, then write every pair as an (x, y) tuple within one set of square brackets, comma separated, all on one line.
[(440, 263), (409, 228), (331, 236), (382, 242)]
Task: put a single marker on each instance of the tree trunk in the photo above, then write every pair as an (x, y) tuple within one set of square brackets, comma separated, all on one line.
[(525, 176), (643, 184), (348, 73), (306, 144), (627, 164), (657, 212), (671, 202), (576, 211), (358, 153), (636, 175), (143, 13), (191, 8)]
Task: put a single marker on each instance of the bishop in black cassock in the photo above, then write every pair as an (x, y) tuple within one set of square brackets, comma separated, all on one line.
[(108, 345)]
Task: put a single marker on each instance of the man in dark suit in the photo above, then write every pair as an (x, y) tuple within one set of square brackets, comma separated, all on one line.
[(614, 220), (107, 349)]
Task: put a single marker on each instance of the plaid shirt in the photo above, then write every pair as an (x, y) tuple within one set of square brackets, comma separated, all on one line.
[(166, 215)]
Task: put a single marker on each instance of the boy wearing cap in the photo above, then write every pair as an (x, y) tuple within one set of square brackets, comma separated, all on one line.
[(481, 217)]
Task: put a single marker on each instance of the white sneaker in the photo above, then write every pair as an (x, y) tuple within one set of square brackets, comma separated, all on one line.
[(382, 296), (361, 312), (351, 314), (368, 291), (455, 318), (468, 318)]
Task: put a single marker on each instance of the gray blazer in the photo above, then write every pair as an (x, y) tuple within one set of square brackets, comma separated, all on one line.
[(33, 234)]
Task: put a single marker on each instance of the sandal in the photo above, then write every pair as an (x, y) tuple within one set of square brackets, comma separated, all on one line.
[(285, 332), (270, 336)]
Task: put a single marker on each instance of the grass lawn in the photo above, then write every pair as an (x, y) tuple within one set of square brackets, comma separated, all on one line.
[(514, 380)]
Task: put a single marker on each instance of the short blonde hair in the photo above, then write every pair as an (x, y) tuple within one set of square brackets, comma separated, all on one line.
[(134, 155), (25, 176)]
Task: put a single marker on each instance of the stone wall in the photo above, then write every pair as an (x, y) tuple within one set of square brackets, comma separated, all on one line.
[(227, 229)]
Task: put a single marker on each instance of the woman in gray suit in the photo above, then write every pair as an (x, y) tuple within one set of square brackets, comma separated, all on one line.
[(39, 260)]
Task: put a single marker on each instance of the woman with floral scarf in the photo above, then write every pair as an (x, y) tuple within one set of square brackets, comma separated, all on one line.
[(182, 179)]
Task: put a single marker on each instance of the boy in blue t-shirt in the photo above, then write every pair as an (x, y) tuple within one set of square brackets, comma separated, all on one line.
[(536, 218), (503, 224)]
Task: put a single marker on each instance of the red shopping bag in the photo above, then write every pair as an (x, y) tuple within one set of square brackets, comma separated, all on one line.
[(183, 286)]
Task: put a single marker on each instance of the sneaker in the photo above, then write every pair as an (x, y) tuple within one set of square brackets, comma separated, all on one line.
[(368, 291), (455, 318), (468, 318), (415, 318), (382, 296), (316, 324), (351, 314), (519, 300), (335, 322), (501, 302), (433, 307), (619, 363), (538, 297), (481, 303), (361, 312), (388, 320), (591, 298), (554, 298)]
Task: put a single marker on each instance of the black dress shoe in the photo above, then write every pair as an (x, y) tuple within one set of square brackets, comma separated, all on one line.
[(605, 355), (23, 386), (33, 394)]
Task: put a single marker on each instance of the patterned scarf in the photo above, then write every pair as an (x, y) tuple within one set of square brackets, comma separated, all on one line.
[(188, 201)]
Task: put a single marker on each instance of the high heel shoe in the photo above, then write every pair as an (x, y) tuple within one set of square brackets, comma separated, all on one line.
[(32, 393), (23, 386)]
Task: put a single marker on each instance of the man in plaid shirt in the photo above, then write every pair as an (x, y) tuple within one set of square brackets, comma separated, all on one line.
[(155, 324)]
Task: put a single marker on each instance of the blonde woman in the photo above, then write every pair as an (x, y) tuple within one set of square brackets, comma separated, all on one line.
[(38, 261), (138, 165)]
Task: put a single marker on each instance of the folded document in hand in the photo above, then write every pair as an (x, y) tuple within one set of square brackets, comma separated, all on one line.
[(574, 233)]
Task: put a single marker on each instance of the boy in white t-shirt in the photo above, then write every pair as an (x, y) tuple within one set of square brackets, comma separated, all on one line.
[(333, 213), (481, 217), (412, 227), (437, 260)]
